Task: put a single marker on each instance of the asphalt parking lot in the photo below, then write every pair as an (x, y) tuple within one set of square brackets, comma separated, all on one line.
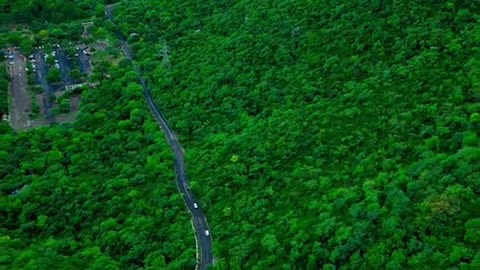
[(64, 63)]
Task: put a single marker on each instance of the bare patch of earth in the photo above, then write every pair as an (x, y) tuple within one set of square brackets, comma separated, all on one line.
[(21, 102)]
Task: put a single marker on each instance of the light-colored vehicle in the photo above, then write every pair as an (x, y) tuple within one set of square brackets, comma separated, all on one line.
[(207, 233), (195, 205)]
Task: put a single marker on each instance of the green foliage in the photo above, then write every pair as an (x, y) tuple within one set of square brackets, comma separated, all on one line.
[(76, 74), (26, 11), (35, 108), (323, 135), (53, 75)]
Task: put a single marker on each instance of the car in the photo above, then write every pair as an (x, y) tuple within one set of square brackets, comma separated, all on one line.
[(76, 54), (57, 65), (207, 233), (11, 63), (195, 205)]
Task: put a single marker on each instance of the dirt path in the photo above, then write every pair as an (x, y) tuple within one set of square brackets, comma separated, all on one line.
[(21, 102)]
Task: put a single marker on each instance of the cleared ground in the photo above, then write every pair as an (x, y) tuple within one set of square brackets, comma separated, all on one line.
[(21, 102)]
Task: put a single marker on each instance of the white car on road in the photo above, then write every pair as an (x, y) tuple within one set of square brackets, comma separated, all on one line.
[(207, 233), (195, 205)]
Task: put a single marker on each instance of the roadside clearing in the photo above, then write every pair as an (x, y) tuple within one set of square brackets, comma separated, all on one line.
[(21, 102)]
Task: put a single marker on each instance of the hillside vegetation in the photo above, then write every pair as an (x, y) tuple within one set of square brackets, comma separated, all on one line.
[(98, 195), (323, 134)]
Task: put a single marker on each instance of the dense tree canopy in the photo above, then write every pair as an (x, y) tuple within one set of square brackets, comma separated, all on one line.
[(324, 134), (318, 135), (26, 11)]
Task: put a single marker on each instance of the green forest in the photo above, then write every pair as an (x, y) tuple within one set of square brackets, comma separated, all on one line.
[(318, 135), (324, 134), (28, 11)]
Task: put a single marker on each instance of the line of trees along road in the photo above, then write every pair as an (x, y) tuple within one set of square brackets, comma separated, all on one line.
[(323, 135), (200, 225)]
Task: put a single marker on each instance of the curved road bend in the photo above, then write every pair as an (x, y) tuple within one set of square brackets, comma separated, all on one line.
[(204, 243)]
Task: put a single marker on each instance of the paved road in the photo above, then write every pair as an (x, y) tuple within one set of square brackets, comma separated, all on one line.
[(200, 223)]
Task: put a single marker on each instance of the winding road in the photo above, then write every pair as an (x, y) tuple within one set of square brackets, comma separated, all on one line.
[(204, 241)]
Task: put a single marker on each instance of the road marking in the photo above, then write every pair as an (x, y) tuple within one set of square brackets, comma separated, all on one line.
[(196, 245)]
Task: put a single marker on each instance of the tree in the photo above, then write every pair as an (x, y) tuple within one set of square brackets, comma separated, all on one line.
[(54, 75), (76, 74), (43, 34)]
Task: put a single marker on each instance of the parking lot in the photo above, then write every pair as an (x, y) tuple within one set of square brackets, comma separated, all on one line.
[(41, 62)]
